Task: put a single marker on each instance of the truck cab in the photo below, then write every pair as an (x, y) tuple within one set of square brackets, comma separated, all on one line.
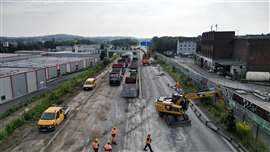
[(50, 118)]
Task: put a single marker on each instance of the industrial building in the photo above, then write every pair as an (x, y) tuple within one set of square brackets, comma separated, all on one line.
[(186, 46), (253, 51), (16, 82), (91, 48), (214, 46), (21, 76), (232, 55)]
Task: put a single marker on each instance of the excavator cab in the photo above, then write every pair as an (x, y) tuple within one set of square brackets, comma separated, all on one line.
[(176, 97)]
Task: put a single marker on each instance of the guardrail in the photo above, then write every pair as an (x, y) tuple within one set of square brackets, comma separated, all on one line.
[(204, 119)]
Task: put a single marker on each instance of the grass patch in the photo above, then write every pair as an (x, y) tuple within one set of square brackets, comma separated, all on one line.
[(185, 81), (47, 99)]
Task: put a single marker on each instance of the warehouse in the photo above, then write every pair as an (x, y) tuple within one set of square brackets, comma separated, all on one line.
[(6, 57), (24, 76), (16, 82), (54, 66)]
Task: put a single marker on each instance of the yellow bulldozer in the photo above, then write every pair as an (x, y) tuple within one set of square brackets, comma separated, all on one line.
[(173, 109)]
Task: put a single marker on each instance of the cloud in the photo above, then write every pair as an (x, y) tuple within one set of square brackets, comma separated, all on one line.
[(131, 17)]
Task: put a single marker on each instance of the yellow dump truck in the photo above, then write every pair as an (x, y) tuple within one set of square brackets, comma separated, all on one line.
[(52, 117)]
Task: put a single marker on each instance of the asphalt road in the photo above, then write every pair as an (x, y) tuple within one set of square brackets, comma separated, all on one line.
[(95, 112)]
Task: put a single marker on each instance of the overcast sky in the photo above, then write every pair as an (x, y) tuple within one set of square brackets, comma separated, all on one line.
[(141, 18)]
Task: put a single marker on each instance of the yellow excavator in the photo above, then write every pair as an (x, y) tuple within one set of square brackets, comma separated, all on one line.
[(173, 109)]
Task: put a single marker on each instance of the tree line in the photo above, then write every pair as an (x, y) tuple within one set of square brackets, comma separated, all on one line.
[(165, 43), (124, 42), (38, 45)]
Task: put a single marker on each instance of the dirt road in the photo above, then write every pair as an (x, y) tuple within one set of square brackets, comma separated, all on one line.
[(94, 113)]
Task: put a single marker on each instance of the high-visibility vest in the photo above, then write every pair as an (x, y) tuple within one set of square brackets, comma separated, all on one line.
[(107, 147), (114, 131), (148, 140), (94, 145)]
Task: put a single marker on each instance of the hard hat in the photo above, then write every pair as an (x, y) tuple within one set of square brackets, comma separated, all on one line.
[(109, 142), (96, 140)]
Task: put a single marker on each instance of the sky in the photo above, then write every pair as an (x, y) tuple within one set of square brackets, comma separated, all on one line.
[(140, 18)]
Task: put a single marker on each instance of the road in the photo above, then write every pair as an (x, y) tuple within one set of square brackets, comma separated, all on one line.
[(189, 64), (94, 113)]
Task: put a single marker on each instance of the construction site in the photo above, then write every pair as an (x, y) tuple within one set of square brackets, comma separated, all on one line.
[(132, 95)]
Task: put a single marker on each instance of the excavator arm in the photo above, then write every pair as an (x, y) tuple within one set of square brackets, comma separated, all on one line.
[(203, 94)]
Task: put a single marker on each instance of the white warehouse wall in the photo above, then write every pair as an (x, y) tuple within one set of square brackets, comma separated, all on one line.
[(5, 89)]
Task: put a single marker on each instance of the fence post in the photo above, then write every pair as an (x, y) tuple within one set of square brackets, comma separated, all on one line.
[(257, 131)]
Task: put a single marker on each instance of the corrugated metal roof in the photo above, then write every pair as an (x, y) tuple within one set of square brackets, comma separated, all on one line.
[(40, 62)]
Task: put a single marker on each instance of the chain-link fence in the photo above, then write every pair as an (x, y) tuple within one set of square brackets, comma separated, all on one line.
[(260, 126)]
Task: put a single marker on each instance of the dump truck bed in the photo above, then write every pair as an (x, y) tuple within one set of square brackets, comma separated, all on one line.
[(130, 90)]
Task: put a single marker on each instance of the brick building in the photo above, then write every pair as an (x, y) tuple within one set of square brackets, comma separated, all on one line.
[(253, 51), (233, 55), (214, 46)]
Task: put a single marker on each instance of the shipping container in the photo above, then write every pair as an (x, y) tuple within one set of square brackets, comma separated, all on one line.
[(63, 69), (68, 67), (31, 81), (5, 89), (51, 72), (88, 62), (84, 63), (41, 78), (73, 66), (80, 64), (19, 85)]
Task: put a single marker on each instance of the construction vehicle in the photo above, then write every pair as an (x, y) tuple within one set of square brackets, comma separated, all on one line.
[(173, 109), (131, 85), (116, 75), (89, 84), (146, 57), (52, 117)]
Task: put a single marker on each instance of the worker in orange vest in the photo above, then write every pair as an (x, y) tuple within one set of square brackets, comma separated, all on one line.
[(108, 147), (95, 145), (148, 143), (113, 133)]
